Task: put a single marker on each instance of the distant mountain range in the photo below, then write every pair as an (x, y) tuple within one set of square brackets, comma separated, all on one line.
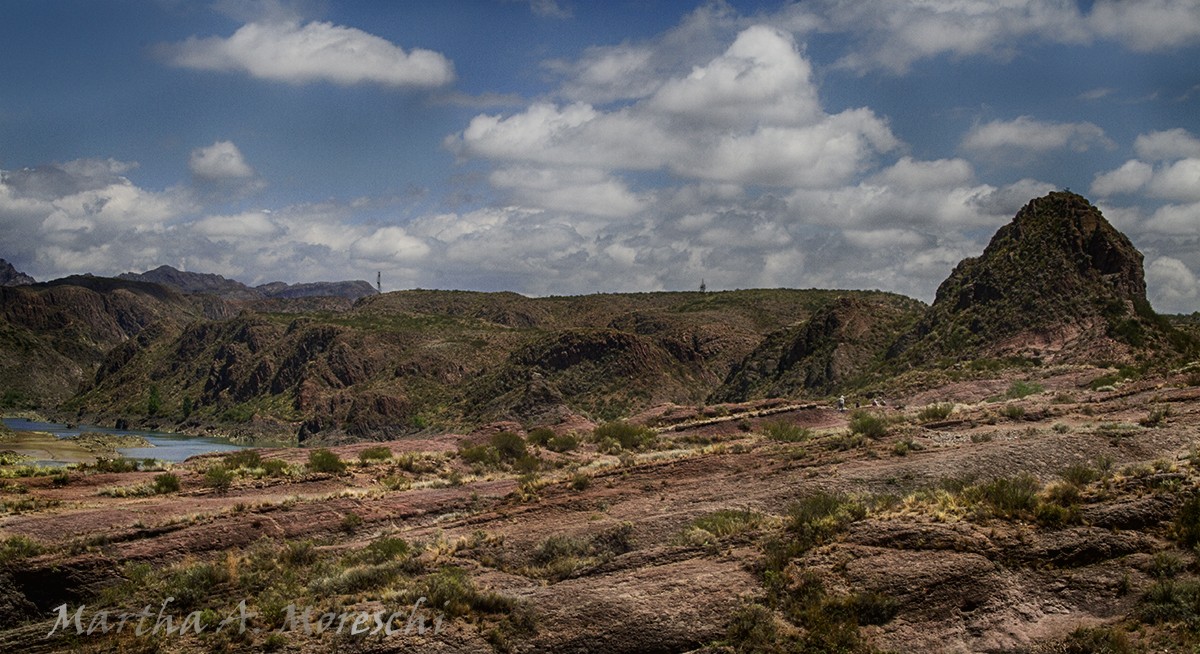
[(190, 282), (10, 276)]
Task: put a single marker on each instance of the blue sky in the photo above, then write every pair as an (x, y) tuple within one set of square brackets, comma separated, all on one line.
[(572, 147)]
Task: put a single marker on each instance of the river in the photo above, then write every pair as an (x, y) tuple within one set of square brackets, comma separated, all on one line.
[(167, 447)]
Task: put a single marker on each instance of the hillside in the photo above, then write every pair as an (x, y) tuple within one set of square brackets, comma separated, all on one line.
[(55, 334), (410, 361), (10, 276)]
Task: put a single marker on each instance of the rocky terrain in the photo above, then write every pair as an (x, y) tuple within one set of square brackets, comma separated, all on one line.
[(1016, 471)]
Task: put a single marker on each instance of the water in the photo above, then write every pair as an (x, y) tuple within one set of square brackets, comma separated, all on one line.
[(167, 447)]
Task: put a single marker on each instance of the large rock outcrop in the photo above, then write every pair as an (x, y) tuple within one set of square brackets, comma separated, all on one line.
[(1058, 283)]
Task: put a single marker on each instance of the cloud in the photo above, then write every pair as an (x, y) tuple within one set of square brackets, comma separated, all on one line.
[(1177, 219), (1174, 287), (220, 161), (1147, 25), (893, 36), (749, 115), (1167, 145), (1000, 138), (548, 9), (1131, 177), (287, 51)]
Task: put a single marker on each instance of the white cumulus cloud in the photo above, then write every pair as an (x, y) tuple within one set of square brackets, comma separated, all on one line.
[(1028, 135), (220, 161), (288, 51)]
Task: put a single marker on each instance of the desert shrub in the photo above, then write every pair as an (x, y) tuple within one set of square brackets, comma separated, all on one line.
[(167, 482), (628, 436), (115, 465), (1061, 428), (17, 547), (454, 592), (1171, 600), (1019, 389), (563, 443), (323, 460), (753, 629), (382, 550), (195, 584), (982, 437), (719, 525), (1097, 640), (935, 412), (845, 441), (1167, 565), (868, 424), (816, 519), (1187, 522), (580, 481), (1157, 416), (1013, 411), (540, 436), (527, 465), (395, 482), (248, 459), (1080, 474), (1010, 497), (481, 455), (351, 521), (218, 478), (275, 467), (784, 432), (509, 446), (377, 453)]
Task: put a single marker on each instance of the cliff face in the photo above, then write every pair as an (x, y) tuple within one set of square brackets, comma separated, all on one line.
[(1057, 283)]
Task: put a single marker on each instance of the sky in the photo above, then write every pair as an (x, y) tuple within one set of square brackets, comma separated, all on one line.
[(554, 147)]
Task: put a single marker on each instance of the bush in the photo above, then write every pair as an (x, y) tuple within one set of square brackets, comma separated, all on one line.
[(377, 453), (323, 460), (1011, 497), (628, 436), (580, 481), (482, 455), (1187, 522), (451, 590), (15, 548), (167, 482), (817, 518), (351, 522), (1080, 474), (1019, 389), (275, 467), (218, 478), (1013, 411), (509, 446), (868, 424), (722, 524), (540, 436), (778, 430), (1171, 600), (1097, 640), (935, 412), (248, 459), (563, 443), (1157, 416)]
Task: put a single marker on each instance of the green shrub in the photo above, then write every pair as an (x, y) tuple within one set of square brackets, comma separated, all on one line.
[(784, 432), (628, 436), (480, 455), (1167, 565), (275, 467), (1019, 389), (1097, 640), (323, 460), (17, 547), (509, 446), (167, 482), (868, 424), (452, 590), (1187, 522), (721, 524), (377, 453), (1080, 474), (1013, 411), (351, 521), (818, 518), (248, 459), (935, 412), (580, 481), (115, 465), (1171, 600), (540, 436), (1157, 416), (383, 550), (753, 629), (563, 443), (1010, 497), (218, 478)]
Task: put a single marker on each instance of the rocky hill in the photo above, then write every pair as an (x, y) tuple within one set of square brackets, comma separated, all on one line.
[(191, 282), (1058, 283), (10, 276), (55, 334)]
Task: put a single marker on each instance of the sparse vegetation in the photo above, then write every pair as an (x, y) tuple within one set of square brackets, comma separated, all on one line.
[(218, 478), (377, 453), (935, 412), (785, 432), (166, 482), (1019, 389)]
